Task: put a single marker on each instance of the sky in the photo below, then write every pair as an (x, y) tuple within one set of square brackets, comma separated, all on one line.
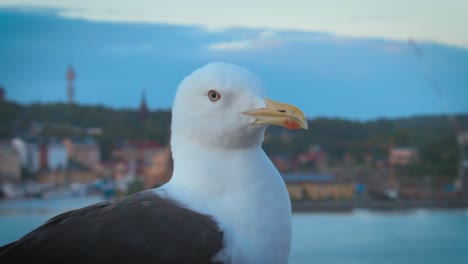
[(432, 20), (349, 60)]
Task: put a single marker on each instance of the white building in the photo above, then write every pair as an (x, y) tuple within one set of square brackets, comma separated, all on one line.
[(57, 156), (10, 162), (52, 155)]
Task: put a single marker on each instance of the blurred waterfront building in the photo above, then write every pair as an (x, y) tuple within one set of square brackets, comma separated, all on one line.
[(33, 163), (139, 151), (10, 162), (21, 149), (46, 155), (283, 163), (113, 168), (65, 177), (313, 158), (94, 131), (159, 171), (85, 151), (311, 186), (403, 156), (57, 155), (147, 159), (348, 158)]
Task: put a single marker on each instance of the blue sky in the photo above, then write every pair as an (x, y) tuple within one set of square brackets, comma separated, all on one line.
[(326, 73), (431, 20)]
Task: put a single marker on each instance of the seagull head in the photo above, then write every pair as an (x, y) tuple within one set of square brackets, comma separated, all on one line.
[(224, 106)]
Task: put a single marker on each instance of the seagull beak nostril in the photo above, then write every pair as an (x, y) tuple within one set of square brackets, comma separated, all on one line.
[(280, 114)]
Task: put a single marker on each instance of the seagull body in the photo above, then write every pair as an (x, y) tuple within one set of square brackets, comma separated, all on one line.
[(225, 202)]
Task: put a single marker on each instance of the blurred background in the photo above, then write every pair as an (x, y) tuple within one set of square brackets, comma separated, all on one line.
[(86, 89)]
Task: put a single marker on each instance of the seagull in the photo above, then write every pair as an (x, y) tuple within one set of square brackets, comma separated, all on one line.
[(225, 203)]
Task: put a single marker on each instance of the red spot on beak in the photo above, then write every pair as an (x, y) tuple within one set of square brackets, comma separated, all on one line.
[(291, 124)]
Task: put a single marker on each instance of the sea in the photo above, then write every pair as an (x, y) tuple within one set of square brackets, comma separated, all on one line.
[(358, 237)]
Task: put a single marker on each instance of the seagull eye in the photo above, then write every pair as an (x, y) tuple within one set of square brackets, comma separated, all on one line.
[(214, 95)]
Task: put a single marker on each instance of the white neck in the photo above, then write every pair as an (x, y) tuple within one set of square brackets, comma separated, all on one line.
[(209, 166), (250, 199)]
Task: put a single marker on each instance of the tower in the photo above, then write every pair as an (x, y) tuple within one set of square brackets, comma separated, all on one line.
[(70, 86), (2, 94), (143, 111)]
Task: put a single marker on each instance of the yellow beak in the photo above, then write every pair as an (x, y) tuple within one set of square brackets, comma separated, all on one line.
[(279, 114)]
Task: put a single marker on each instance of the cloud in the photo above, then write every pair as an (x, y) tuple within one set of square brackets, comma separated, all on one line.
[(271, 39), (305, 67), (264, 39), (232, 45), (431, 20)]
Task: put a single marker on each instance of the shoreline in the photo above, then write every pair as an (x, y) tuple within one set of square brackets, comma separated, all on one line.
[(387, 205)]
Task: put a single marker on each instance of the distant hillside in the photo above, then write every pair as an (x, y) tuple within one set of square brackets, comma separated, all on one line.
[(63, 120), (434, 136)]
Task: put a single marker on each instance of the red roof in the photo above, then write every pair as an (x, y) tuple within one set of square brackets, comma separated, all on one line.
[(145, 144)]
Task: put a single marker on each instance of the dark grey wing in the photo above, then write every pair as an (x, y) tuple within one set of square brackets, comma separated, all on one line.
[(142, 228)]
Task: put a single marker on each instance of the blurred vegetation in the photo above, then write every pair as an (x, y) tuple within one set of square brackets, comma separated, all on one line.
[(135, 186), (64, 120), (433, 136)]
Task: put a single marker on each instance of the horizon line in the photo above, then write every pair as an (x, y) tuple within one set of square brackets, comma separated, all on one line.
[(169, 109)]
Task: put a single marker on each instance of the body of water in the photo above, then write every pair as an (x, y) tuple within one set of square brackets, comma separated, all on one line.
[(364, 237)]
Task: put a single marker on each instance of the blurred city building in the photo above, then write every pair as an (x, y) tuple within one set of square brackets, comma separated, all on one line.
[(46, 155), (403, 155), (66, 177), (55, 154), (151, 161), (313, 158), (159, 171), (282, 162), (10, 162), (313, 186), (141, 151), (85, 151), (94, 131)]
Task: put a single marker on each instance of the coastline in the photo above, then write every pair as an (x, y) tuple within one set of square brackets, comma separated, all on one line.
[(349, 205)]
